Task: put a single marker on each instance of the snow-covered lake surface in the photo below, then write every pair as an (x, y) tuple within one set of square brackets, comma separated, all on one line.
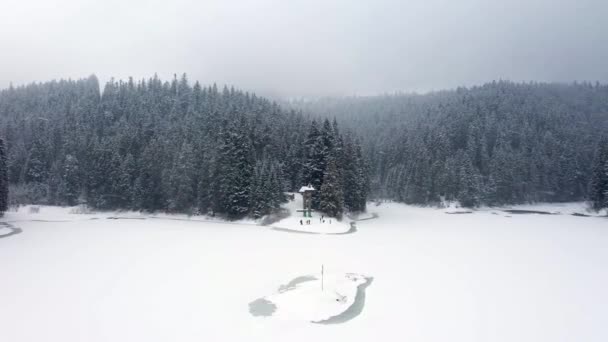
[(485, 276)]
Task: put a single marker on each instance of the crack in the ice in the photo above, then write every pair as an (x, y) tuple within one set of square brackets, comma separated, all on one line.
[(13, 230)]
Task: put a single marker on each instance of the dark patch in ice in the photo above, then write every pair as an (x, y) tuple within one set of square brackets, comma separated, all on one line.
[(13, 230), (287, 230), (295, 282), (262, 307), (38, 220), (265, 308), (458, 212), (355, 309), (581, 215), (521, 211), (351, 230), (201, 220)]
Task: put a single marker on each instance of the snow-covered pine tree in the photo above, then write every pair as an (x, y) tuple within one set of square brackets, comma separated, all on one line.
[(598, 186), (182, 181), (331, 194), (124, 185), (469, 182), (314, 160), (362, 179), (234, 170), (70, 184), (606, 189), (149, 191), (37, 169), (3, 179), (350, 176)]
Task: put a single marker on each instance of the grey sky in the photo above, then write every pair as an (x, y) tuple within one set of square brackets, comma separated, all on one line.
[(307, 47)]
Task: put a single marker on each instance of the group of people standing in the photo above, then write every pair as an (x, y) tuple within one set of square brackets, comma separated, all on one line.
[(321, 220)]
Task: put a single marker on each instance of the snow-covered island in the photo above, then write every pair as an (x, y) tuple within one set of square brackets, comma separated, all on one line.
[(315, 299)]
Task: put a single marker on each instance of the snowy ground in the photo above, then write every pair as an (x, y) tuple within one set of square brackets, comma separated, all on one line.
[(5, 231), (484, 276), (318, 224)]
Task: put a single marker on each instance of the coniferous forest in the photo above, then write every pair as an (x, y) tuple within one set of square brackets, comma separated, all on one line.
[(500, 143), (181, 147), (171, 146)]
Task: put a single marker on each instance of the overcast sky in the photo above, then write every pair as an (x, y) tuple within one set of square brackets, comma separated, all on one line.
[(304, 48)]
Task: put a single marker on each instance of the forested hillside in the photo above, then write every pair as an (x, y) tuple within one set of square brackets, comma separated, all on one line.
[(494, 144), (154, 145)]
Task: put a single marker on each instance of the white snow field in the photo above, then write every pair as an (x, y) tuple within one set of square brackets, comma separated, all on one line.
[(484, 276), (5, 231)]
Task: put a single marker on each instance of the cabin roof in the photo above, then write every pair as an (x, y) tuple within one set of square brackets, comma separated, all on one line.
[(306, 188)]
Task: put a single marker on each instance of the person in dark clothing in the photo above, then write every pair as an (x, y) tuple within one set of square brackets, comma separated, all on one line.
[(301, 222)]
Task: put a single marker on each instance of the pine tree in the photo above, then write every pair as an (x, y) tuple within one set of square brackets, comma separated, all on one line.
[(124, 185), (362, 180), (469, 182), (606, 189), (257, 201), (70, 186), (3, 180), (149, 191), (182, 182), (331, 194), (234, 171), (314, 162), (598, 186), (36, 170)]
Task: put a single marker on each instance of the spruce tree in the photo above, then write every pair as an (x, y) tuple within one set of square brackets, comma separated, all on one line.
[(314, 160), (70, 186), (331, 194), (598, 186), (182, 181), (3, 180), (234, 171)]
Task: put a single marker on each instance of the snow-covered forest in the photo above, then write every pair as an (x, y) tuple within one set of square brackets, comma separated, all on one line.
[(172, 146), (181, 147), (499, 143)]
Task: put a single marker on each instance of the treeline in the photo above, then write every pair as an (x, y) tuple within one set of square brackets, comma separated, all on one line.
[(154, 145), (499, 143)]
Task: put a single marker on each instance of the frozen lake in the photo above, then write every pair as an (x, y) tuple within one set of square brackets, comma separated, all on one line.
[(484, 276)]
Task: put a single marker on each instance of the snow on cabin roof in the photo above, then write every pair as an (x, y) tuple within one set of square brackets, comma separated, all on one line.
[(306, 188)]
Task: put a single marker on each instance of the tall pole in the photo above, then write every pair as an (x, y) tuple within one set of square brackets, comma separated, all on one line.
[(321, 277)]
